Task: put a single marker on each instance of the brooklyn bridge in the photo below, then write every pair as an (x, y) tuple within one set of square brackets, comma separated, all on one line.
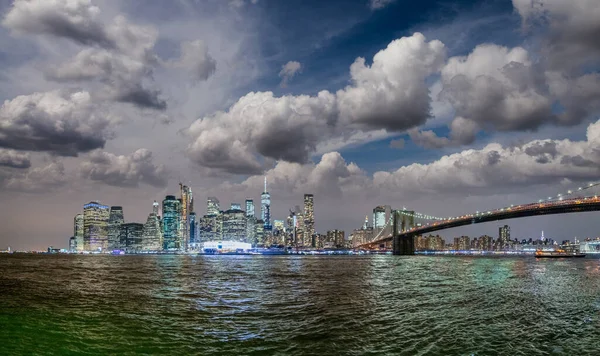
[(404, 231)]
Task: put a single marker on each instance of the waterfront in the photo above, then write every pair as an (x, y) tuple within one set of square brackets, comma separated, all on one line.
[(298, 305)]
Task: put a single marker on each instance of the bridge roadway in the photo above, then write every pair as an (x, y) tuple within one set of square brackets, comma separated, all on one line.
[(404, 240)]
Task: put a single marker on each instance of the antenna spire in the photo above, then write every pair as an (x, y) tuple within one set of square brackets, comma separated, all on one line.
[(265, 184)]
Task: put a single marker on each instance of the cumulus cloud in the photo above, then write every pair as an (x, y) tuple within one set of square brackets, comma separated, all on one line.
[(288, 71), (57, 122), (196, 59), (379, 4), (124, 171), (14, 159), (390, 94), (36, 180)]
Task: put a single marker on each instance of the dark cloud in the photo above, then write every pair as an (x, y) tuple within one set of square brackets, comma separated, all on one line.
[(141, 97), (542, 148), (14, 159), (56, 122), (36, 180), (124, 171), (579, 161)]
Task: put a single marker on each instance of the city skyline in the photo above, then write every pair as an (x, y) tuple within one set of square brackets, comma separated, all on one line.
[(442, 109)]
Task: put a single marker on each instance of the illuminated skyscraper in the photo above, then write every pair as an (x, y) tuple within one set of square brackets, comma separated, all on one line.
[(78, 231), (131, 236), (193, 228), (212, 206), (265, 208), (115, 220), (504, 235), (381, 216), (171, 223), (234, 225), (187, 206), (249, 207), (152, 234), (155, 208), (95, 221), (236, 206), (309, 220)]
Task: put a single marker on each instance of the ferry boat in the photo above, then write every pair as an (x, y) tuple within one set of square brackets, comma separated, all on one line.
[(559, 253)]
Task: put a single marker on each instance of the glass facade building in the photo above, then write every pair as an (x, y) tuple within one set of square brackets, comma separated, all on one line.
[(78, 231), (234, 225), (265, 207), (309, 221), (115, 220), (171, 223), (131, 236)]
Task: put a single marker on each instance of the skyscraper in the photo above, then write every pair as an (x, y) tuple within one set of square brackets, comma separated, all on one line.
[(78, 231), (115, 220), (234, 225), (131, 235), (155, 208), (152, 234), (309, 220), (265, 207), (504, 235), (186, 208), (249, 207), (171, 223), (212, 206), (95, 221), (381, 216), (193, 228)]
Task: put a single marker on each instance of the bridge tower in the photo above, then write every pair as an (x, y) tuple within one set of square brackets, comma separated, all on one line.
[(403, 244)]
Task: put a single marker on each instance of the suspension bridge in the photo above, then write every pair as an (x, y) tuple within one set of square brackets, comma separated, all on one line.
[(403, 234)]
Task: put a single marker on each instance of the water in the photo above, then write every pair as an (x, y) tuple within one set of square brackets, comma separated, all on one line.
[(298, 305)]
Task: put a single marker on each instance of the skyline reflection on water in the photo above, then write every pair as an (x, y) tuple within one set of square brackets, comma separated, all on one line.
[(296, 305)]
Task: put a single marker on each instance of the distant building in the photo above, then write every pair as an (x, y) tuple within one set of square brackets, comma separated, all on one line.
[(381, 220), (193, 228), (95, 221), (78, 231), (186, 207), (265, 207), (259, 233), (171, 223), (234, 225), (335, 238), (209, 228), (235, 206), (72, 244), (115, 219), (212, 206), (155, 208), (309, 221), (152, 239), (504, 236), (250, 208), (131, 236)]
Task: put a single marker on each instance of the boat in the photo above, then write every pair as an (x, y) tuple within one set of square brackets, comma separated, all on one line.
[(559, 253)]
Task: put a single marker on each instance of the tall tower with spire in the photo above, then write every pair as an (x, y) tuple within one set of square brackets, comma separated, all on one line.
[(265, 206)]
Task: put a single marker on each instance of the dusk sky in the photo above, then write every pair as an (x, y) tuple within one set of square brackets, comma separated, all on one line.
[(442, 107)]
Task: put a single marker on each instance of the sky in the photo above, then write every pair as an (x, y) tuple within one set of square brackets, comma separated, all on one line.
[(442, 107)]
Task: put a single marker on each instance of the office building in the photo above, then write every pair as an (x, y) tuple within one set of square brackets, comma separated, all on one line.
[(78, 231), (95, 223), (309, 221), (72, 244), (234, 225), (250, 208), (504, 236), (209, 228), (381, 220), (152, 234), (131, 235), (212, 206), (193, 227), (171, 223), (335, 239), (236, 206), (186, 207), (259, 233), (265, 210), (115, 219), (155, 208)]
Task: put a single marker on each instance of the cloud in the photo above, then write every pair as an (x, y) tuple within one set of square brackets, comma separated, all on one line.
[(195, 58), (76, 20), (379, 4), (37, 180), (288, 71), (494, 166), (399, 143), (57, 122), (14, 159), (570, 30), (462, 132), (124, 171), (391, 94)]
